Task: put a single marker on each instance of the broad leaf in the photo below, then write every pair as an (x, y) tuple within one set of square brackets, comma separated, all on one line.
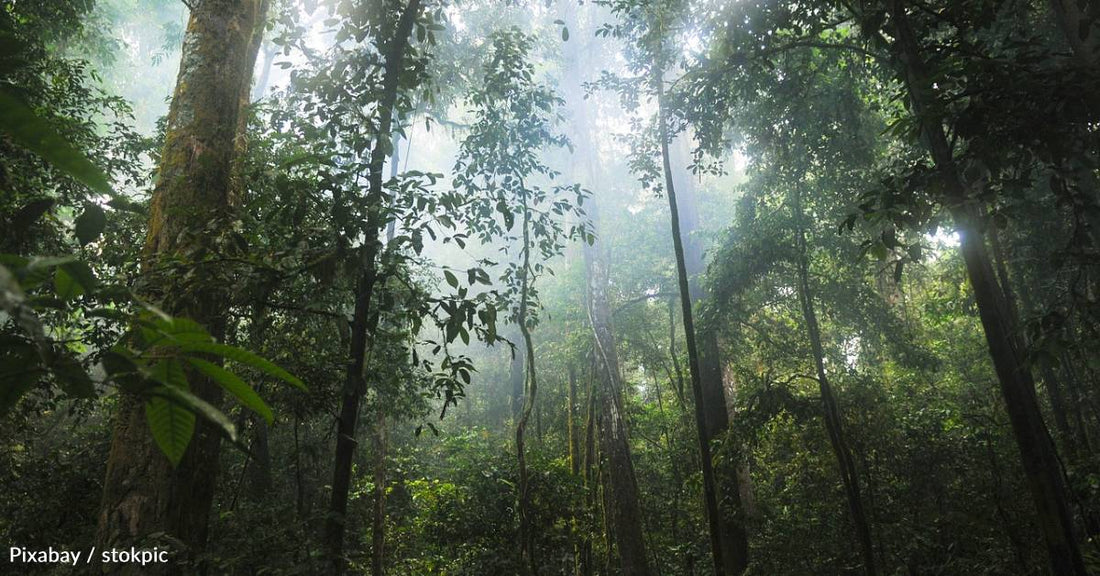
[(235, 386), (244, 357), (19, 122), (172, 426)]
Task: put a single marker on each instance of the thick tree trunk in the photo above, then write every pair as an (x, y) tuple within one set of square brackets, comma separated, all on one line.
[(734, 539), (624, 509), (710, 495), (833, 421), (142, 493), (361, 324), (1040, 461)]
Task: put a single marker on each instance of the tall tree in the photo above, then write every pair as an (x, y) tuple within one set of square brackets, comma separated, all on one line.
[(1033, 439), (364, 319), (192, 210), (833, 421), (735, 545), (625, 510), (723, 563)]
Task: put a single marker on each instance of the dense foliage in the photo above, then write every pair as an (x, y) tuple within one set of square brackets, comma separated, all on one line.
[(677, 287)]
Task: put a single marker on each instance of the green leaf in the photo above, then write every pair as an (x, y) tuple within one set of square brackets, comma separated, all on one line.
[(66, 287), (564, 34), (451, 279), (244, 357), (235, 386), (90, 224), (198, 406), (19, 122), (172, 426)]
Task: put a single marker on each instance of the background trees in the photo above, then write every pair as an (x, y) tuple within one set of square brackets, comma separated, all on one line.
[(868, 348)]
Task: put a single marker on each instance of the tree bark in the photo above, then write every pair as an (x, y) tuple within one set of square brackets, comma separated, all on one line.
[(1040, 461), (142, 493), (361, 323), (710, 497), (624, 509), (833, 421), (516, 376)]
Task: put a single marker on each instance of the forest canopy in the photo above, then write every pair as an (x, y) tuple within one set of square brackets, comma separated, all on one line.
[(550, 287)]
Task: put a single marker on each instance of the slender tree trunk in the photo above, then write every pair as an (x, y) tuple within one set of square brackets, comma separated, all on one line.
[(710, 497), (260, 88), (517, 377), (833, 421), (734, 538), (589, 481), (361, 324), (1052, 383), (1040, 460), (142, 493), (624, 509), (527, 537)]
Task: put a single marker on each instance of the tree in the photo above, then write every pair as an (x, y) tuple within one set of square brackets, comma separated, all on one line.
[(363, 322), (496, 165), (190, 225)]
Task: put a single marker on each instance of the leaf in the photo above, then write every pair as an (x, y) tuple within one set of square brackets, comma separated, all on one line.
[(235, 386), (172, 426), (90, 224), (564, 33), (198, 406), (244, 357), (451, 278), (66, 287), (38, 136)]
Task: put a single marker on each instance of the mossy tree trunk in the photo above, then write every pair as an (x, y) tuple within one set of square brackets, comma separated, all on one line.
[(191, 215)]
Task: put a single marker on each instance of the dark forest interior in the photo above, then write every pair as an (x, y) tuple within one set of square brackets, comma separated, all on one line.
[(550, 287)]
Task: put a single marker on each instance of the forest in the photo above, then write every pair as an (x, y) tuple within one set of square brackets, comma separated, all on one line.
[(550, 287)]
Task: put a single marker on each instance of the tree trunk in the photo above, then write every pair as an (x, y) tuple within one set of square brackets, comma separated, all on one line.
[(833, 421), (624, 509), (734, 539), (527, 537), (710, 497), (361, 323), (142, 493), (1040, 460), (516, 376), (585, 568)]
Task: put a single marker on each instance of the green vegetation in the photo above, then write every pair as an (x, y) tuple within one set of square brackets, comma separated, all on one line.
[(618, 287)]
